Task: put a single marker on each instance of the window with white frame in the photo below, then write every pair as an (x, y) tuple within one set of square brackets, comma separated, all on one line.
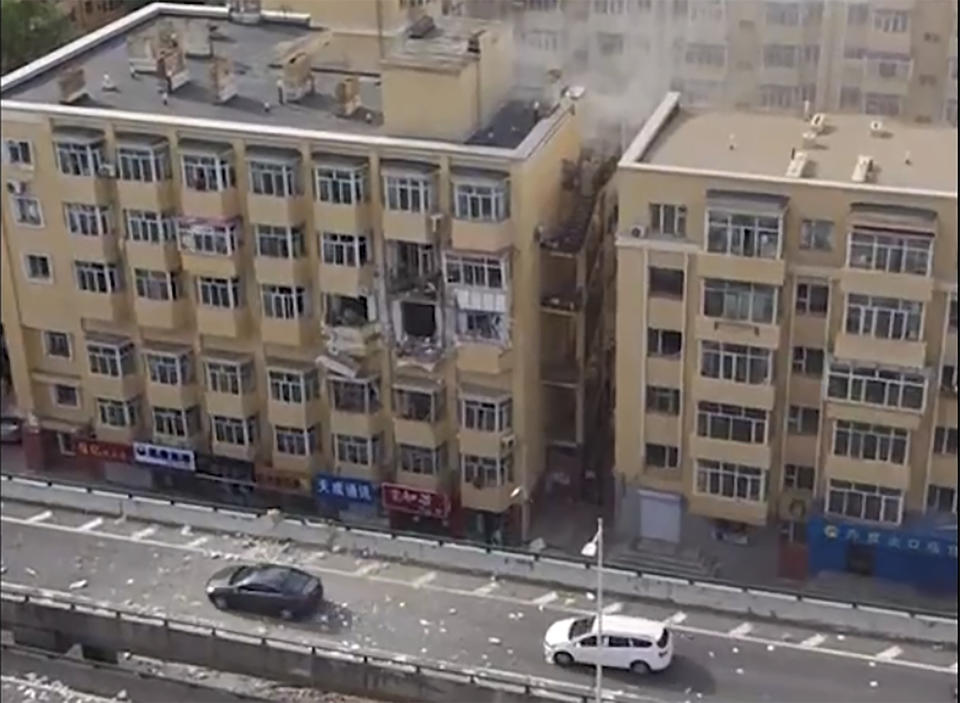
[(797, 477), (57, 344), (112, 360), (732, 422), (884, 318), (662, 342), (38, 267), (288, 386), (722, 479), (408, 193), (482, 201), (873, 385), (224, 293), (812, 298), (277, 242), (662, 400), (486, 415), (87, 220), (422, 406), (668, 219), (215, 238), (285, 302), (942, 499), (345, 249), (661, 456), (753, 236), (891, 21), (739, 301), (355, 395), (27, 210), (803, 420), (118, 413), (816, 235), (169, 369), (427, 461), (808, 361), (864, 501), (150, 227), (878, 250), (206, 173), (486, 471), (475, 271), (241, 432), (75, 159), (157, 285), (366, 451), (176, 422), (281, 179), (859, 440), (481, 326), (18, 151), (340, 186), (736, 362), (945, 440), (65, 396), (144, 164), (296, 441), (95, 277), (229, 377)]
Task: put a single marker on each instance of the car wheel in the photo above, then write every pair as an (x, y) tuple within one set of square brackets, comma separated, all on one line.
[(286, 614), (639, 667), (220, 602), (562, 659)]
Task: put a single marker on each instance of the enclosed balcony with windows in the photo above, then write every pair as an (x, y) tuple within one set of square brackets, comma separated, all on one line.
[(744, 237), (486, 420), (865, 502), (81, 158), (293, 393), (341, 194), (160, 301), (275, 186), (296, 449), (144, 173), (101, 288), (872, 453), (210, 246), (409, 202), (726, 490), (209, 177), (119, 420), (882, 330), (281, 253), (172, 380), (897, 395), (412, 268), (359, 456), (355, 405), (112, 367), (425, 467), (486, 481), (236, 437), (221, 306), (734, 433), (419, 412), (230, 382), (287, 315), (346, 263), (177, 426), (480, 289), (481, 211), (739, 312), (93, 235), (736, 369), (151, 239)]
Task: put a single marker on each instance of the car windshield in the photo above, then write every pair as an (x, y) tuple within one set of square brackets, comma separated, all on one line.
[(277, 578), (580, 627)]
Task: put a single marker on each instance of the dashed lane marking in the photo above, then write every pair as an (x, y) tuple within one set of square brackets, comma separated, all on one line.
[(193, 544), (422, 581), (741, 630), (890, 653), (612, 609), (677, 618), (814, 641), (40, 517), (367, 569), (485, 590), (142, 534), (92, 525), (546, 598)]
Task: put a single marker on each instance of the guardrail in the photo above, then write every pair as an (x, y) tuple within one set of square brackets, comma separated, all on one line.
[(568, 571), (56, 623)]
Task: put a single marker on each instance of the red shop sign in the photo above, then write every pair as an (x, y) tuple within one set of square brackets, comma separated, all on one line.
[(414, 500), (108, 451)]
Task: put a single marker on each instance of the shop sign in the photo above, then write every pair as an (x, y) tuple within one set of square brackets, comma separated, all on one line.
[(414, 500), (107, 451), (353, 490), (891, 540), (167, 457)]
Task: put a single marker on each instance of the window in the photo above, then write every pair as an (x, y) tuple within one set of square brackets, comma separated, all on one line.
[(38, 267), (340, 186), (94, 277), (285, 302), (476, 272), (541, 39), (409, 263), (816, 235), (891, 21), (609, 7), (485, 471), (118, 413), (733, 481), (220, 292), (706, 54), (296, 441), (273, 178), (421, 406), (87, 220), (149, 227), (736, 362), (293, 386), (664, 342), (157, 285), (609, 43), (169, 369), (112, 360), (349, 311), (57, 344), (144, 165), (211, 238), (668, 220), (780, 55), (408, 193), (279, 242), (79, 159), (27, 211), (358, 450), (422, 460), (948, 379), (208, 173), (481, 326), (884, 318), (662, 456), (808, 361), (798, 478), (942, 499), (666, 283), (486, 415), (783, 13), (876, 386), (743, 235), (812, 298), (945, 440), (174, 422), (66, 396), (236, 431), (663, 400), (863, 501), (859, 440), (731, 422), (733, 300), (488, 202), (858, 13), (803, 420), (230, 378), (18, 151), (345, 249), (360, 396)]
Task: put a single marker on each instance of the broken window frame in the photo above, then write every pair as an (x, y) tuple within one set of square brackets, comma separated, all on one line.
[(467, 322), (334, 318), (350, 395), (423, 254), (406, 335)]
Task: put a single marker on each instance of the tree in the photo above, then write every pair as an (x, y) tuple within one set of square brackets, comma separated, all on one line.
[(29, 29)]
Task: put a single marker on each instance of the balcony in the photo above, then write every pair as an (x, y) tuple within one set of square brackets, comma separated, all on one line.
[(298, 332), (90, 190), (943, 470), (719, 390), (242, 452), (872, 414), (275, 210), (158, 196), (746, 511), (230, 405), (880, 351), (873, 472), (163, 314), (174, 396), (353, 281), (482, 236), (296, 464), (435, 482), (482, 443), (413, 227), (108, 307), (881, 283), (755, 334), (279, 270), (353, 218), (94, 248), (304, 414), (117, 435), (665, 312), (771, 272), (494, 499), (483, 358), (210, 204), (357, 424), (213, 265), (153, 257), (745, 453), (223, 322)]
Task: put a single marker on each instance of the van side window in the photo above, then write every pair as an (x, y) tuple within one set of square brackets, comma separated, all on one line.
[(590, 641), (619, 642), (640, 643)]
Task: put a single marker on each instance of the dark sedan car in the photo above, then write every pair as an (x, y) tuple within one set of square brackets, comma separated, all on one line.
[(266, 589)]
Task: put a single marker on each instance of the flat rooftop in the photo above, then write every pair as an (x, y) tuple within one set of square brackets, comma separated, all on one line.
[(909, 156), (251, 49)]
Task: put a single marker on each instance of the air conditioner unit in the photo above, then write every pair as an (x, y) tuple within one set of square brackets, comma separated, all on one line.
[(436, 222), (638, 231), (16, 187), (107, 171), (508, 443)]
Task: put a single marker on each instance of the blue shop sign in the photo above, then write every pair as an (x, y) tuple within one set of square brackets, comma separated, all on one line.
[(888, 539), (352, 490)]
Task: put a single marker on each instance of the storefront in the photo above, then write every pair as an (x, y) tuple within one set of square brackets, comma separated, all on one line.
[(114, 462), (416, 509), (351, 500), (172, 468)]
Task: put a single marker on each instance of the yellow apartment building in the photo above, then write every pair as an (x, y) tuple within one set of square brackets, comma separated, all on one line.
[(228, 234), (786, 323)]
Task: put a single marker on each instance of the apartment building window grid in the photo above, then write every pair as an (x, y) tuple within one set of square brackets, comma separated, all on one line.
[(736, 362), (884, 318), (355, 396), (341, 186), (876, 386), (812, 298), (274, 178), (485, 471), (797, 477), (65, 396), (803, 420), (157, 285), (660, 342), (408, 193), (752, 236), (731, 481), (115, 361), (858, 440), (668, 220), (176, 422), (169, 369), (225, 293), (285, 302), (485, 202), (214, 239), (816, 235), (293, 386), (208, 174), (808, 361), (87, 220), (345, 249), (738, 301), (38, 267), (96, 277), (662, 456), (82, 160), (945, 440), (278, 242), (296, 441), (236, 431), (891, 21), (118, 413), (665, 401), (150, 227), (481, 326), (942, 499), (732, 423), (365, 451), (475, 272), (144, 165), (230, 378), (27, 210), (425, 461), (419, 406), (18, 152), (863, 501), (890, 253), (57, 344), (486, 415)]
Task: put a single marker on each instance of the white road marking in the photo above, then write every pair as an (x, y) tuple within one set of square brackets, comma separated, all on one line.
[(485, 590), (814, 641), (545, 598), (890, 653), (140, 534), (422, 581), (40, 517), (953, 668), (367, 568), (741, 630), (613, 608), (92, 525), (677, 618), (193, 544)]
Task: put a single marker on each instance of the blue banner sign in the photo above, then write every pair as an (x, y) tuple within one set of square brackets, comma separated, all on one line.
[(353, 490)]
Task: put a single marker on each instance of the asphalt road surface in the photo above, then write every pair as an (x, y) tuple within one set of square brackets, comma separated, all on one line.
[(456, 618)]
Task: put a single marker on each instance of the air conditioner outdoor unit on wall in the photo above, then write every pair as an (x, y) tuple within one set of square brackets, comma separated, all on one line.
[(16, 187), (107, 171), (638, 231), (436, 222)]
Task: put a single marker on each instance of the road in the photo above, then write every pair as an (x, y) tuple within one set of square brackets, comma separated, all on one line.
[(457, 618)]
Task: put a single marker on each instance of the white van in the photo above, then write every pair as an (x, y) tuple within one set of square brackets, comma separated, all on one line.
[(637, 644)]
